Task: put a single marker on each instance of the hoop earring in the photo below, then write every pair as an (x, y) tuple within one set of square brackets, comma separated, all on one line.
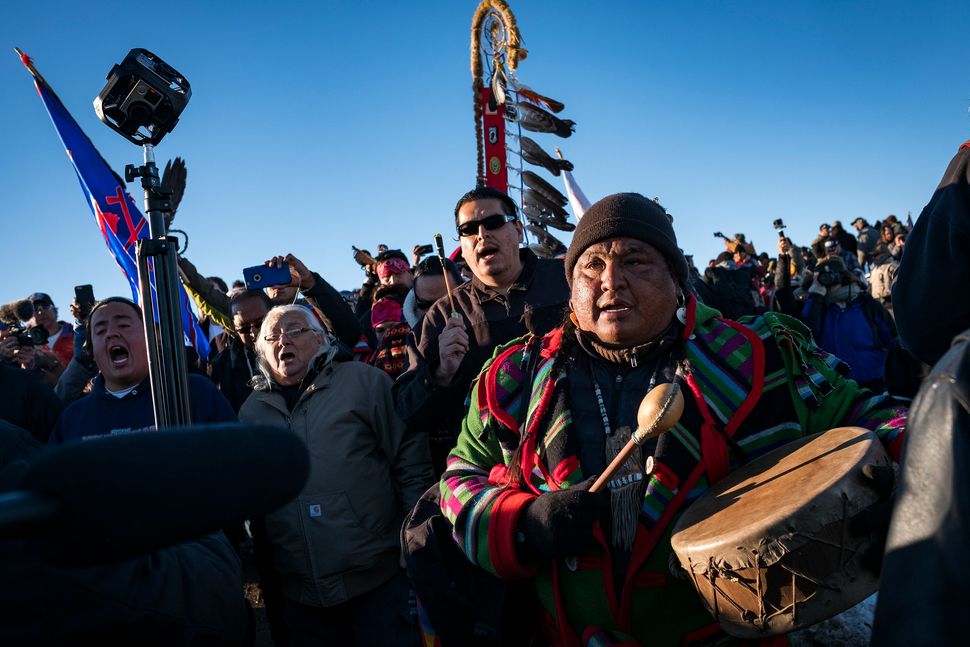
[(682, 309)]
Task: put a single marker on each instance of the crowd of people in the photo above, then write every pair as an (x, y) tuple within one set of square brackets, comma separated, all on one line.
[(455, 414)]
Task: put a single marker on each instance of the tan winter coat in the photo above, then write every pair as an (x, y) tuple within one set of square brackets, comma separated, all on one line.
[(340, 537)]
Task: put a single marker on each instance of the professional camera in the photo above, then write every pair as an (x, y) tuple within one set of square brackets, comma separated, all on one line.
[(15, 312), (779, 224), (718, 234), (143, 98), (35, 336), (829, 277)]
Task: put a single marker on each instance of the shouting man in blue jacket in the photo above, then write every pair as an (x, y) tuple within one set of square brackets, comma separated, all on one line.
[(121, 398)]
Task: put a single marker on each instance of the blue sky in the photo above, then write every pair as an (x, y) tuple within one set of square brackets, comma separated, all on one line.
[(317, 126)]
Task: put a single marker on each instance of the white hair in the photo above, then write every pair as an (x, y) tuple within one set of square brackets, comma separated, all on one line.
[(263, 379)]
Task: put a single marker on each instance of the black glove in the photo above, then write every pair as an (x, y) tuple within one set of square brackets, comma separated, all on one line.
[(560, 523), (874, 520)]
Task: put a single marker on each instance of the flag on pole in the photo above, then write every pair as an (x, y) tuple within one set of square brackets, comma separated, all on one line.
[(577, 199), (120, 221)]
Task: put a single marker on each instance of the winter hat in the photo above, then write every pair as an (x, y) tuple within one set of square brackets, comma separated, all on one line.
[(628, 215)]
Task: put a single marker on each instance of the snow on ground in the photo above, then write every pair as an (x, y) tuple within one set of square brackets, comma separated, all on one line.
[(852, 628)]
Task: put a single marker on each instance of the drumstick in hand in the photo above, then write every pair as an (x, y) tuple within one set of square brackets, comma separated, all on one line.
[(440, 246), (659, 411)]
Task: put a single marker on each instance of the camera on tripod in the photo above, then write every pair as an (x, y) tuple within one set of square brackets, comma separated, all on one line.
[(142, 101), (143, 98)]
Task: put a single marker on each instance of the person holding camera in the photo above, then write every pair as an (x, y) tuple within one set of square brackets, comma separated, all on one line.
[(60, 334), (788, 277), (847, 322), (26, 347), (28, 402)]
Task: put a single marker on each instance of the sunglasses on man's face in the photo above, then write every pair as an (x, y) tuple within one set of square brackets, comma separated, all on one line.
[(491, 223)]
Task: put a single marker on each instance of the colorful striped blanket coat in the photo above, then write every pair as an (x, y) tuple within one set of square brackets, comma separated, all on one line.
[(762, 383)]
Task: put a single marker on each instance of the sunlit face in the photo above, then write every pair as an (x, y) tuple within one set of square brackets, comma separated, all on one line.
[(492, 255), (247, 319), (404, 279), (293, 347), (45, 316), (118, 346), (623, 292)]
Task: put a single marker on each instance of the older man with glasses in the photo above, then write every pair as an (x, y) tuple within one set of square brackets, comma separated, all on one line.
[(512, 292), (336, 546)]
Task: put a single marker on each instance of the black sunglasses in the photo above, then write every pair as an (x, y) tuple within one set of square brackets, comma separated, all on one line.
[(491, 223)]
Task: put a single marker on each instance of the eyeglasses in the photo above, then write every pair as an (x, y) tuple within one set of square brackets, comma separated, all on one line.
[(42, 307), (250, 328), (292, 333), (491, 223)]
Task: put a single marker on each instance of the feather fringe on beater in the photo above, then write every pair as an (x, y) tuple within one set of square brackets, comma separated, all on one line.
[(626, 489)]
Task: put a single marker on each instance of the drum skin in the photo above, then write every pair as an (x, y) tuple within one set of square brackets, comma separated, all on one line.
[(768, 547)]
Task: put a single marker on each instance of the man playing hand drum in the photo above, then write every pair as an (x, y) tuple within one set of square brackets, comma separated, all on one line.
[(549, 413)]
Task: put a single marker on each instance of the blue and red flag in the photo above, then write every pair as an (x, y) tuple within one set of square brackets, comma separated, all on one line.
[(120, 221)]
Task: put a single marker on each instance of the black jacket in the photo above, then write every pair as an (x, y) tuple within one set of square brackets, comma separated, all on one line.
[(931, 298), (188, 594), (27, 401), (535, 303), (232, 369), (924, 591)]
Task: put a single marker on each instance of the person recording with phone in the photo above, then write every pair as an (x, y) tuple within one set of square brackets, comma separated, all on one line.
[(76, 380), (333, 311)]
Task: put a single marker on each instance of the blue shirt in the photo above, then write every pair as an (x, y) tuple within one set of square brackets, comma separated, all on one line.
[(102, 414)]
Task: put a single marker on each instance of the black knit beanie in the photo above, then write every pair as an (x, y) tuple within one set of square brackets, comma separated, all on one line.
[(627, 215)]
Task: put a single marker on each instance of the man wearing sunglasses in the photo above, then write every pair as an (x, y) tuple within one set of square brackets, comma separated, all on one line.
[(233, 367), (511, 292), (60, 334)]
